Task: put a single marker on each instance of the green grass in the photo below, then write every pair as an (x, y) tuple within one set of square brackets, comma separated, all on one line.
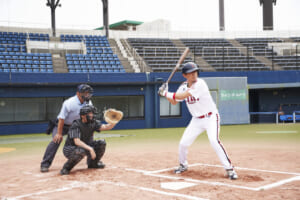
[(36, 143)]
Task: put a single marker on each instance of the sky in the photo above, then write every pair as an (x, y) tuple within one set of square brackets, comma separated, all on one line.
[(186, 15)]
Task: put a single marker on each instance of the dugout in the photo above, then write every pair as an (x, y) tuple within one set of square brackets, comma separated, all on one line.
[(28, 100)]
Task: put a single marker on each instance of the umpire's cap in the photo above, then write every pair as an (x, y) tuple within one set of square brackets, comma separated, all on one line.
[(189, 68), (87, 109), (84, 88)]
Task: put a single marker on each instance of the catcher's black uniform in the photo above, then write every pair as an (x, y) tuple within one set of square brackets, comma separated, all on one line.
[(83, 131)]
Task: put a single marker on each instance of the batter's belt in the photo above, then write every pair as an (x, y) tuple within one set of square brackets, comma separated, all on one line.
[(205, 115)]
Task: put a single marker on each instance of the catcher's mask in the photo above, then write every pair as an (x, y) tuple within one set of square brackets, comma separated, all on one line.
[(89, 111), (190, 67), (85, 92)]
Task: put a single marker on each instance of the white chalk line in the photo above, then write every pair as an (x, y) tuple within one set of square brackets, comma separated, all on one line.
[(271, 132), (272, 185), (154, 174), (220, 166), (77, 184), (269, 186)]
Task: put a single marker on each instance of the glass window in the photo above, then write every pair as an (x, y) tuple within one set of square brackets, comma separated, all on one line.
[(167, 109), (44, 109), (131, 106), (29, 109)]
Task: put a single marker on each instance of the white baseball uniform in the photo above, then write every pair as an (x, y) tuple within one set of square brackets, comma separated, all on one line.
[(205, 116)]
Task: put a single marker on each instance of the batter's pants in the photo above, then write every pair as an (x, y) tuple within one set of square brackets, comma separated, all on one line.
[(198, 125)]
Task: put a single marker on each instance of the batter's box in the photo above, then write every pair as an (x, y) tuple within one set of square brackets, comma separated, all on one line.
[(249, 179)]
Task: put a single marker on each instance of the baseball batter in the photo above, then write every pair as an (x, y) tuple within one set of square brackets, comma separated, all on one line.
[(68, 113), (194, 91)]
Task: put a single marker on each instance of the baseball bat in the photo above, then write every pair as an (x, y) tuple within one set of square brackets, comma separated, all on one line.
[(179, 62)]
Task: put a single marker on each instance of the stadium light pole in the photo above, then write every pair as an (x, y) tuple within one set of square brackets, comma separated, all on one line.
[(105, 17), (267, 13), (221, 15), (52, 4)]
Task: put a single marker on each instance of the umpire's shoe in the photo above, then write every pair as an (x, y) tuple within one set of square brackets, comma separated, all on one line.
[(64, 171), (44, 169), (181, 169), (231, 174), (99, 165)]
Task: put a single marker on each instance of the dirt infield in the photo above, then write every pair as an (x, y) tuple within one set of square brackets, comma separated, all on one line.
[(143, 171)]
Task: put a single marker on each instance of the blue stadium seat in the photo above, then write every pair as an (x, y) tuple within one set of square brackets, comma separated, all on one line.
[(21, 66), (36, 70)]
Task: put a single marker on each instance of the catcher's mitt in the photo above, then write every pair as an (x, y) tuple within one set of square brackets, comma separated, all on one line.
[(112, 116)]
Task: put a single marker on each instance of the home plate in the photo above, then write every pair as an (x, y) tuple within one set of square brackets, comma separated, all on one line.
[(176, 185)]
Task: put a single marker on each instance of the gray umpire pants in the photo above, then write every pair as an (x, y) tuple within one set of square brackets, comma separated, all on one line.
[(51, 150)]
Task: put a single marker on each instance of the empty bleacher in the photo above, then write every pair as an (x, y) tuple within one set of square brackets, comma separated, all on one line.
[(260, 48), (13, 55), (222, 56), (259, 45), (287, 62), (99, 58), (159, 54)]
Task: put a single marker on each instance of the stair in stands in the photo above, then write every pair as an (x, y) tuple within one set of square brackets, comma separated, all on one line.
[(54, 39), (203, 65), (239, 46), (268, 63), (59, 64), (132, 52), (123, 60)]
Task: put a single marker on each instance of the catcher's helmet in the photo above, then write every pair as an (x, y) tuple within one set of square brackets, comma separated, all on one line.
[(87, 109), (189, 68)]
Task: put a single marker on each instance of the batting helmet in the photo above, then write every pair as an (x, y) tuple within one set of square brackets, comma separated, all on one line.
[(189, 68), (87, 109)]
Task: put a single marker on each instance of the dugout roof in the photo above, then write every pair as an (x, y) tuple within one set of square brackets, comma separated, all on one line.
[(123, 25)]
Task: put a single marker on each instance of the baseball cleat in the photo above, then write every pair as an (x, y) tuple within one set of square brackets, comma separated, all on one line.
[(232, 174), (64, 171), (44, 169), (99, 165), (181, 169)]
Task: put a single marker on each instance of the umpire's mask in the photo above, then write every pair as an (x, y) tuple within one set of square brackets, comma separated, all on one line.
[(85, 92)]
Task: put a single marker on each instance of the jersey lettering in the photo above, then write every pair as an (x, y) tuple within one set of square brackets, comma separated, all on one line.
[(191, 100)]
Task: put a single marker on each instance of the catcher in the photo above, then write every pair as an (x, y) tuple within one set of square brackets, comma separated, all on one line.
[(80, 141)]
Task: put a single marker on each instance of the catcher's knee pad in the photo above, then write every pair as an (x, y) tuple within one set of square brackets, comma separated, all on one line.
[(77, 154), (75, 157), (80, 151), (100, 147)]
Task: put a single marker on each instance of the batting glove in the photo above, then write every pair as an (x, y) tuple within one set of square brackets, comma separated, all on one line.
[(163, 89)]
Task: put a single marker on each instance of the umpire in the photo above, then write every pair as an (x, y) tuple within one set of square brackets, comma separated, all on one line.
[(68, 113), (80, 141)]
